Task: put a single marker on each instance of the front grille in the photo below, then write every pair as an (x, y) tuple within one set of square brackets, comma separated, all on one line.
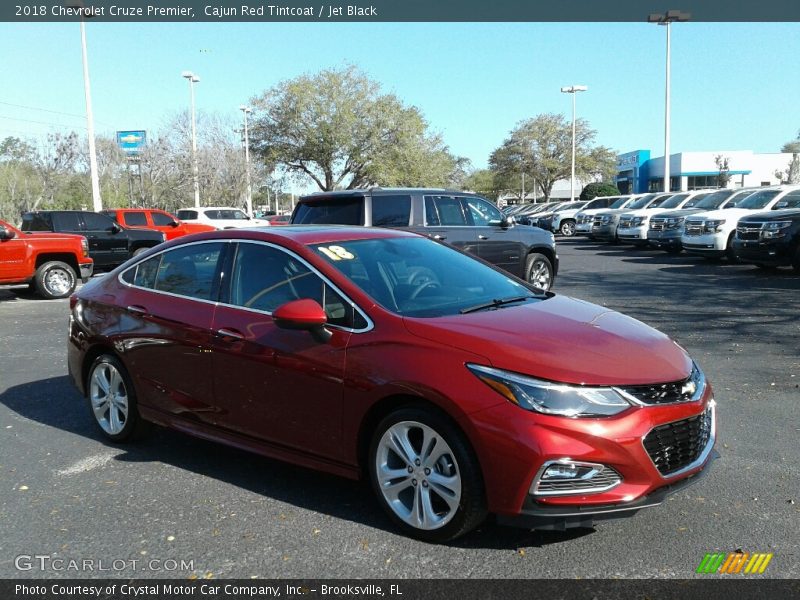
[(657, 224), (694, 227), (675, 446), (749, 231), (606, 479), (625, 222), (687, 390)]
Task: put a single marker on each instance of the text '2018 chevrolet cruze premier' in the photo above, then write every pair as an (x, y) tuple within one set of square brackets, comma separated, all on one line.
[(455, 388)]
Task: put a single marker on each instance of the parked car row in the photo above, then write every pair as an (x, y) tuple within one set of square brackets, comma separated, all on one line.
[(754, 225)]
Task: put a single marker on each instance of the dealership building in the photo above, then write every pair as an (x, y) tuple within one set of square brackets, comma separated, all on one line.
[(637, 172)]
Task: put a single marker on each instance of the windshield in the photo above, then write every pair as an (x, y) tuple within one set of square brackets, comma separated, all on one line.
[(642, 202), (758, 199), (418, 277), (228, 214), (714, 200), (569, 206), (618, 203), (670, 202), (789, 201)]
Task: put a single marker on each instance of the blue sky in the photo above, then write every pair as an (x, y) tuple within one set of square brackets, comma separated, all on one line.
[(734, 86)]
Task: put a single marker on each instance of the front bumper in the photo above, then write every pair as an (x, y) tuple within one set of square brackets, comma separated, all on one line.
[(86, 271), (708, 244), (632, 235), (665, 238), (549, 518), (605, 232), (583, 229), (775, 252)]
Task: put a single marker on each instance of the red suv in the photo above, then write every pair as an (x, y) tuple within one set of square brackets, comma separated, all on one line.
[(456, 388), (153, 218)]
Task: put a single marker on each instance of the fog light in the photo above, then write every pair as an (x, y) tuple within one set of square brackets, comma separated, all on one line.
[(565, 476)]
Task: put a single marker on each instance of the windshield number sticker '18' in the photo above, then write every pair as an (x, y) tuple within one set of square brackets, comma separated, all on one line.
[(337, 253)]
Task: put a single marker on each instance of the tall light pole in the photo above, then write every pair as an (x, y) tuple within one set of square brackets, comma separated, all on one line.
[(573, 89), (192, 80), (97, 202), (245, 110), (671, 16)]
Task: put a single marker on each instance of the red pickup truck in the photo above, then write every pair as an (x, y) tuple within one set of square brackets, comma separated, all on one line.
[(49, 262), (154, 218)]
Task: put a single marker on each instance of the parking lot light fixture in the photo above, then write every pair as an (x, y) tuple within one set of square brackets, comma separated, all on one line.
[(246, 110), (573, 89), (667, 18), (192, 80), (97, 202)]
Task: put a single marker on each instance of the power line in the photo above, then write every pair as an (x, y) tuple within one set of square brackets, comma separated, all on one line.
[(42, 122), (47, 110)]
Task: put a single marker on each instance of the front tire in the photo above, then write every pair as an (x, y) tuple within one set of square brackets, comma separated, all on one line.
[(426, 476), (112, 399), (567, 228), (55, 279), (539, 271)]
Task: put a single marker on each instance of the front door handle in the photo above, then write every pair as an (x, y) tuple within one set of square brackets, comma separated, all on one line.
[(230, 334), (137, 310), (439, 237), (483, 237)]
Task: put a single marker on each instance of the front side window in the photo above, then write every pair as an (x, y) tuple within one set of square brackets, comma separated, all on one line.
[(264, 278), (337, 211), (226, 215), (189, 271), (162, 219), (97, 222), (790, 200), (135, 218), (483, 213), (391, 211)]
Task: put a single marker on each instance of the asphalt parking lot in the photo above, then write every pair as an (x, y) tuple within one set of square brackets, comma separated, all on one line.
[(67, 494)]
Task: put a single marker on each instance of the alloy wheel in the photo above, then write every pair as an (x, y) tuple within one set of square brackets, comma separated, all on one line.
[(109, 398)]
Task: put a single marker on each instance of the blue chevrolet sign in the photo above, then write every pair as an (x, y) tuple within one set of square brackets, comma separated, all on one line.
[(131, 142)]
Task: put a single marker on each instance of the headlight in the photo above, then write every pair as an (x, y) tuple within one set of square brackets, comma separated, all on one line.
[(163, 237), (714, 225), (606, 219), (637, 221), (775, 229), (551, 398), (674, 222), (85, 247)]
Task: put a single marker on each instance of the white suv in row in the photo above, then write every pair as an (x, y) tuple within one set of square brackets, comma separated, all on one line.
[(711, 233), (633, 226), (221, 217)]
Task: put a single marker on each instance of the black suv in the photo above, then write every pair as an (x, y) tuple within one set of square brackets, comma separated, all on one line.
[(463, 220), (772, 238), (110, 244)]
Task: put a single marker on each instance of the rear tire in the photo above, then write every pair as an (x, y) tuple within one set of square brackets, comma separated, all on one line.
[(55, 279), (425, 475), (730, 254)]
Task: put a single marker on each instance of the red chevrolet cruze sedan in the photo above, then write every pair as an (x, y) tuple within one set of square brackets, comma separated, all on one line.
[(457, 389)]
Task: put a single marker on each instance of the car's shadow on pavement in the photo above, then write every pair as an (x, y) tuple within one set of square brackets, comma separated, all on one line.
[(55, 403)]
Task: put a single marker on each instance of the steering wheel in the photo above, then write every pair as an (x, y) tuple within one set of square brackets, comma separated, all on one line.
[(423, 286)]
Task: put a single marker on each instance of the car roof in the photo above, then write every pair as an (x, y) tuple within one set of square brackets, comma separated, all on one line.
[(379, 191), (308, 234)]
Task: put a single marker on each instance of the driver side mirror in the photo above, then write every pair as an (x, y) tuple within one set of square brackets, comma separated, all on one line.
[(7, 234), (115, 228), (173, 223), (506, 222), (303, 315)]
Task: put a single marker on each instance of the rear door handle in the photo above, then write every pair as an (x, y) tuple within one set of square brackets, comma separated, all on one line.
[(230, 333), (483, 237), (137, 310), (439, 237)]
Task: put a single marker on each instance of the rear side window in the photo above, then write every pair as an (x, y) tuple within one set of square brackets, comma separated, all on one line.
[(189, 271), (135, 218), (37, 222), (187, 214), (144, 275), (444, 211), (391, 211), (337, 211), (162, 219), (69, 221)]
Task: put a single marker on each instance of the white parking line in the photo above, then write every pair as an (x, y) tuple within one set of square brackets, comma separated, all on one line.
[(87, 464)]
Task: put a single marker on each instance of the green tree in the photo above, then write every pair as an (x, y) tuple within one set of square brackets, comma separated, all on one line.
[(723, 165), (600, 188), (481, 181), (792, 147), (340, 130), (542, 148)]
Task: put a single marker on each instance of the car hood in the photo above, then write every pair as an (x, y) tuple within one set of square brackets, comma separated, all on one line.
[(562, 339), (52, 236), (774, 215), (680, 212), (728, 214)]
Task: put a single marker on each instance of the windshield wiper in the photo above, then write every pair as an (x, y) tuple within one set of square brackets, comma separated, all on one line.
[(496, 303)]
